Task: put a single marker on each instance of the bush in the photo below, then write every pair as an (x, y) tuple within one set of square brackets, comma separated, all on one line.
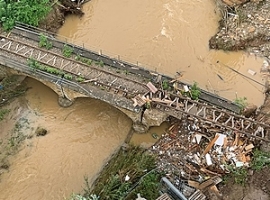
[(195, 91), (134, 163), (67, 51), (241, 102), (43, 42), (3, 113), (260, 159), (28, 12)]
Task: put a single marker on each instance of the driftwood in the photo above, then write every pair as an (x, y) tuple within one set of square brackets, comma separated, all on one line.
[(71, 7)]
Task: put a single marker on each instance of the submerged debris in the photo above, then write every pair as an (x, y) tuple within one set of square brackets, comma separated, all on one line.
[(40, 131)]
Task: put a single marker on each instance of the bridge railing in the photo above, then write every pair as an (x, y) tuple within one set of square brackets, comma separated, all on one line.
[(34, 33), (41, 74)]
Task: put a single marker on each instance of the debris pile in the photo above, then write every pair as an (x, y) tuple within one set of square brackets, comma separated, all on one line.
[(187, 155)]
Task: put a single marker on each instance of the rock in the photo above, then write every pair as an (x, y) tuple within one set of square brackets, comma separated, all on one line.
[(154, 117), (265, 66), (140, 127), (64, 102), (40, 131)]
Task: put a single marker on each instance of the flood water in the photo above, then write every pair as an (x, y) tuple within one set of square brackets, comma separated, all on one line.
[(167, 36), (170, 37), (80, 140)]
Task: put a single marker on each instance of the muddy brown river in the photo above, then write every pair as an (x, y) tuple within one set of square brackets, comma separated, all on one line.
[(80, 140), (167, 36), (170, 37)]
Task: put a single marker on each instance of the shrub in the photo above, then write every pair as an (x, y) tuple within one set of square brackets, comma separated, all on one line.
[(241, 102), (67, 51), (165, 85), (28, 12), (68, 76), (260, 159), (43, 42), (3, 112), (80, 79), (101, 63), (195, 91), (134, 163)]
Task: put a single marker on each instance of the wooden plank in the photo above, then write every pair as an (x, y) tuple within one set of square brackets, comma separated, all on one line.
[(210, 145), (164, 196), (151, 87), (138, 100)]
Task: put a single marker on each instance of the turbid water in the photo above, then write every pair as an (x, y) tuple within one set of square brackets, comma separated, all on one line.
[(170, 37), (79, 141), (167, 36)]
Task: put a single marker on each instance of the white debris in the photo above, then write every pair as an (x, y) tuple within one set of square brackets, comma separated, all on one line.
[(127, 178), (251, 72)]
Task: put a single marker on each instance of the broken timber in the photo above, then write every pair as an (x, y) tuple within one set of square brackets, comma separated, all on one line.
[(208, 117)]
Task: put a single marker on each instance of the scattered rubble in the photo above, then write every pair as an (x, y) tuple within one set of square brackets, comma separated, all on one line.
[(244, 26), (199, 160)]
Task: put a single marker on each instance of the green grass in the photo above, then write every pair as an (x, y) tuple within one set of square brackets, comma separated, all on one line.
[(241, 102), (44, 42), (195, 91), (3, 113), (260, 159), (135, 163), (29, 12), (67, 51)]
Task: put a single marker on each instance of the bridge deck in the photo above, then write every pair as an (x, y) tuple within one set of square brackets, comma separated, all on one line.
[(120, 66), (23, 48)]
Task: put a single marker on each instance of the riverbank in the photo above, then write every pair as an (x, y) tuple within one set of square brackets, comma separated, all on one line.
[(230, 190), (79, 141), (244, 27)]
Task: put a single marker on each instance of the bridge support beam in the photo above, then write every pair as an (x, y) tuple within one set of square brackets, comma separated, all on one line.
[(66, 97), (64, 102), (151, 117)]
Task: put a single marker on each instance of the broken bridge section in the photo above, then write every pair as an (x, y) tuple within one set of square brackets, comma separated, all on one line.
[(120, 84)]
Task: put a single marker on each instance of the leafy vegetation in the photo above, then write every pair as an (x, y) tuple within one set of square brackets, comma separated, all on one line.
[(165, 85), (83, 59), (128, 173), (148, 187), (44, 42), (34, 64), (195, 91), (241, 102), (240, 175), (100, 63), (11, 88), (29, 12), (80, 79), (67, 51), (260, 159), (3, 113)]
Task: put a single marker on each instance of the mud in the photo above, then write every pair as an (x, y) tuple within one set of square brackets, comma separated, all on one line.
[(256, 187), (59, 11), (79, 141), (53, 165)]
